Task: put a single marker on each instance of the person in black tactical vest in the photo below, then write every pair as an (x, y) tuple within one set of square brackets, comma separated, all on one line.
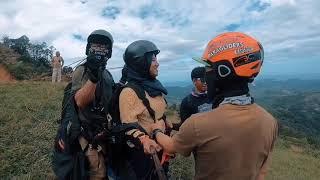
[(93, 84), (197, 101)]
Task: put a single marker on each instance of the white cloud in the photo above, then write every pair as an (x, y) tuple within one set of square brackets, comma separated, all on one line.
[(282, 2), (288, 29)]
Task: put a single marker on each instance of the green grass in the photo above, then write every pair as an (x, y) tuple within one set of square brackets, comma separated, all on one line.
[(28, 124), (28, 114), (288, 163)]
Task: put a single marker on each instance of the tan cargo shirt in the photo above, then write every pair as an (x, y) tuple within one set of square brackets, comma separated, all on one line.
[(230, 142), (132, 109)]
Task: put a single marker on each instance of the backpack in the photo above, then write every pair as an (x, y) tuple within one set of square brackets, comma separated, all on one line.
[(70, 162)]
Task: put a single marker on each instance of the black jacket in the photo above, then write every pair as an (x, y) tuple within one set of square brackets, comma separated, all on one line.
[(192, 104)]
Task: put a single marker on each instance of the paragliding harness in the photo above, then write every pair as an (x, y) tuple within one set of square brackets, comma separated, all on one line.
[(69, 162), (122, 145)]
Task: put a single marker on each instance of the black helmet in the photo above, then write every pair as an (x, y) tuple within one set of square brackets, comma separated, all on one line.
[(136, 55), (138, 49), (102, 37)]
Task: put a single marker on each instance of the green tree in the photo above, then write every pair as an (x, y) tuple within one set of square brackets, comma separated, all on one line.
[(20, 45), (35, 57)]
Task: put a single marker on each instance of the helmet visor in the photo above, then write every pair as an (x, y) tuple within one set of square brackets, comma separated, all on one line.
[(202, 61)]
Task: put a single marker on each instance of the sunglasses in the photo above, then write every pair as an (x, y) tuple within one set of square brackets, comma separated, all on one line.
[(203, 80)]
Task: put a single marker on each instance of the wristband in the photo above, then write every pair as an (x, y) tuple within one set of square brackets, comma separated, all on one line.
[(154, 133)]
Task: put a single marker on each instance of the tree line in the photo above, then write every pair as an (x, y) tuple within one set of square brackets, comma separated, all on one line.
[(34, 60)]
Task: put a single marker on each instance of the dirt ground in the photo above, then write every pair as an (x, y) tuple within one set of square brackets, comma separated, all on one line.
[(5, 76)]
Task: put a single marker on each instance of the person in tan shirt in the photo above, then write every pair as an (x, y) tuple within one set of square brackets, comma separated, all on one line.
[(57, 64), (234, 140), (142, 69)]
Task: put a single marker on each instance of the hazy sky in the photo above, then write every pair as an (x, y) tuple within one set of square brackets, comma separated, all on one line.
[(289, 30)]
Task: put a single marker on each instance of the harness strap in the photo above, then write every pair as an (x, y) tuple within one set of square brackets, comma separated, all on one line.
[(142, 95)]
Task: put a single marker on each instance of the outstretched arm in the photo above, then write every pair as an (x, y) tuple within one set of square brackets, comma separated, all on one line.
[(183, 142), (166, 143)]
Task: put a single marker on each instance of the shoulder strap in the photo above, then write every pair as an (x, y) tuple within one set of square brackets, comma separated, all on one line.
[(67, 96), (142, 95), (114, 108), (165, 100)]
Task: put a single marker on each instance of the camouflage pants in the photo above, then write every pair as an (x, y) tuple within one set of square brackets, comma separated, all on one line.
[(56, 75), (97, 167)]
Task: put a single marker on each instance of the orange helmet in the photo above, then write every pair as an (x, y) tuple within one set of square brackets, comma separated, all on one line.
[(234, 54)]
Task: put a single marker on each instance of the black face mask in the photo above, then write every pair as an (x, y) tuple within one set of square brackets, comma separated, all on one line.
[(100, 56)]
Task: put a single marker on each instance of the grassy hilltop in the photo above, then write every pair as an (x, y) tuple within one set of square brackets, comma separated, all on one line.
[(28, 122)]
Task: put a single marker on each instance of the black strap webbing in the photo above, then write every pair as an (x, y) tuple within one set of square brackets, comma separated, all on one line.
[(141, 95)]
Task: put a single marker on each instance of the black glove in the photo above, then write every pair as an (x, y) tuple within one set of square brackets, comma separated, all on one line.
[(94, 68)]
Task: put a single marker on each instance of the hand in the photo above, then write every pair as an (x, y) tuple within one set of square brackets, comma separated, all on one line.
[(159, 125), (149, 145), (94, 66)]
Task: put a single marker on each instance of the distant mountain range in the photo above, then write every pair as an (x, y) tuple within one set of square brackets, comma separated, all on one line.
[(294, 102), (275, 77), (259, 88)]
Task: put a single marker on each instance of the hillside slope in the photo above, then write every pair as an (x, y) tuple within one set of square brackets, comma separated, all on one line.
[(7, 57), (29, 111)]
